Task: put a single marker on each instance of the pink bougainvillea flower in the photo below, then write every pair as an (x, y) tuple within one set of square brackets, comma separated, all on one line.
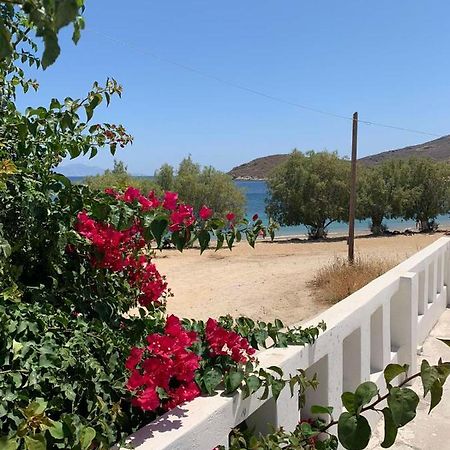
[(170, 200), (183, 216), (135, 358), (205, 213), (153, 199), (148, 399), (167, 364), (225, 342), (230, 216), (118, 251), (112, 192), (131, 194)]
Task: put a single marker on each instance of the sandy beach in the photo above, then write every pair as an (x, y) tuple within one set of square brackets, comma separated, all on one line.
[(267, 282)]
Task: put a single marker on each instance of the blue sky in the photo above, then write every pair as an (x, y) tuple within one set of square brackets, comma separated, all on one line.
[(388, 60)]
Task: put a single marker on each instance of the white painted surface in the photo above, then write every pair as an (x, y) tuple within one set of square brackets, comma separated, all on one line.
[(381, 323)]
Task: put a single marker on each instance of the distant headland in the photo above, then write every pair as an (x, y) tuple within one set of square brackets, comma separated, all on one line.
[(260, 168)]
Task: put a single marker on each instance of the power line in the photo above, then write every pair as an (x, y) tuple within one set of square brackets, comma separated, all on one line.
[(257, 92)]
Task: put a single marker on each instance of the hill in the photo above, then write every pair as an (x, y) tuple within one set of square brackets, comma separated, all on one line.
[(438, 149), (257, 169), (79, 170), (260, 168)]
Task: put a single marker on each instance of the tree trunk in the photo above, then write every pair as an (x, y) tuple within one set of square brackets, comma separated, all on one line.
[(317, 232), (426, 225), (377, 227)]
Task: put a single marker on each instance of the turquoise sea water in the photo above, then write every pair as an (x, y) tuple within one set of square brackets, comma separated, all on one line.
[(256, 193)]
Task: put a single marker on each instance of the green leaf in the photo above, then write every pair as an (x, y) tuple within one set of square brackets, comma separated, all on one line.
[(318, 409), (8, 444), (220, 240), (35, 442), (348, 400), (394, 370), (353, 431), (444, 370), (5, 42), (87, 435), (56, 430), (158, 228), (277, 387), (253, 383), (402, 403), (445, 341), (276, 369), (390, 429), (65, 13), (211, 379), (364, 393), (203, 239), (35, 408), (428, 375), (52, 49), (436, 394), (16, 347), (233, 380)]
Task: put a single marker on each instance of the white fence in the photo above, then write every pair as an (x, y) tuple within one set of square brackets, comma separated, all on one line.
[(381, 323)]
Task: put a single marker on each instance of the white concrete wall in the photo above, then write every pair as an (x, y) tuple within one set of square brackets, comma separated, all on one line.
[(381, 323)]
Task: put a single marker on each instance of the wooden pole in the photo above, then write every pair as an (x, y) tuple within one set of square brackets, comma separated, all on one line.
[(352, 206)]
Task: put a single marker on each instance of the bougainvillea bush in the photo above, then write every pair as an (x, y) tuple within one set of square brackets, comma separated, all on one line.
[(77, 368)]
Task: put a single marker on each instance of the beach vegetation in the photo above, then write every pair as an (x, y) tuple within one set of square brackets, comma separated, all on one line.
[(119, 178), (381, 193), (427, 187), (197, 185), (339, 279), (310, 189)]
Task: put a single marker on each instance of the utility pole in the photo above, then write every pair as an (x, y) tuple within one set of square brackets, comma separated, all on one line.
[(352, 206)]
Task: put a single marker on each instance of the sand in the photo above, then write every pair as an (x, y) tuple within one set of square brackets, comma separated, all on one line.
[(267, 282)]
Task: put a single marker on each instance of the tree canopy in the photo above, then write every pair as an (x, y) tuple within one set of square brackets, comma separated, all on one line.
[(380, 193), (427, 184), (199, 185), (310, 189), (119, 178)]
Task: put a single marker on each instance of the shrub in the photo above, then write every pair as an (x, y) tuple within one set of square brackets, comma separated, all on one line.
[(338, 279)]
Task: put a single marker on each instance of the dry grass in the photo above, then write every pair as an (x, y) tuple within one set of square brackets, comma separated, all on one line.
[(338, 279)]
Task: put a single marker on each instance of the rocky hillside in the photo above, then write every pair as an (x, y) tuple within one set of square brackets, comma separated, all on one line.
[(257, 169), (260, 168), (438, 149)]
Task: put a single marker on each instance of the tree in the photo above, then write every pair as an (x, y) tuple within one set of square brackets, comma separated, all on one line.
[(380, 193), (427, 185), (199, 185), (310, 189), (119, 178), (164, 177)]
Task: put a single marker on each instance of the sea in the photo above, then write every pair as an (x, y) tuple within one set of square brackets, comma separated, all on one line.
[(256, 193)]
